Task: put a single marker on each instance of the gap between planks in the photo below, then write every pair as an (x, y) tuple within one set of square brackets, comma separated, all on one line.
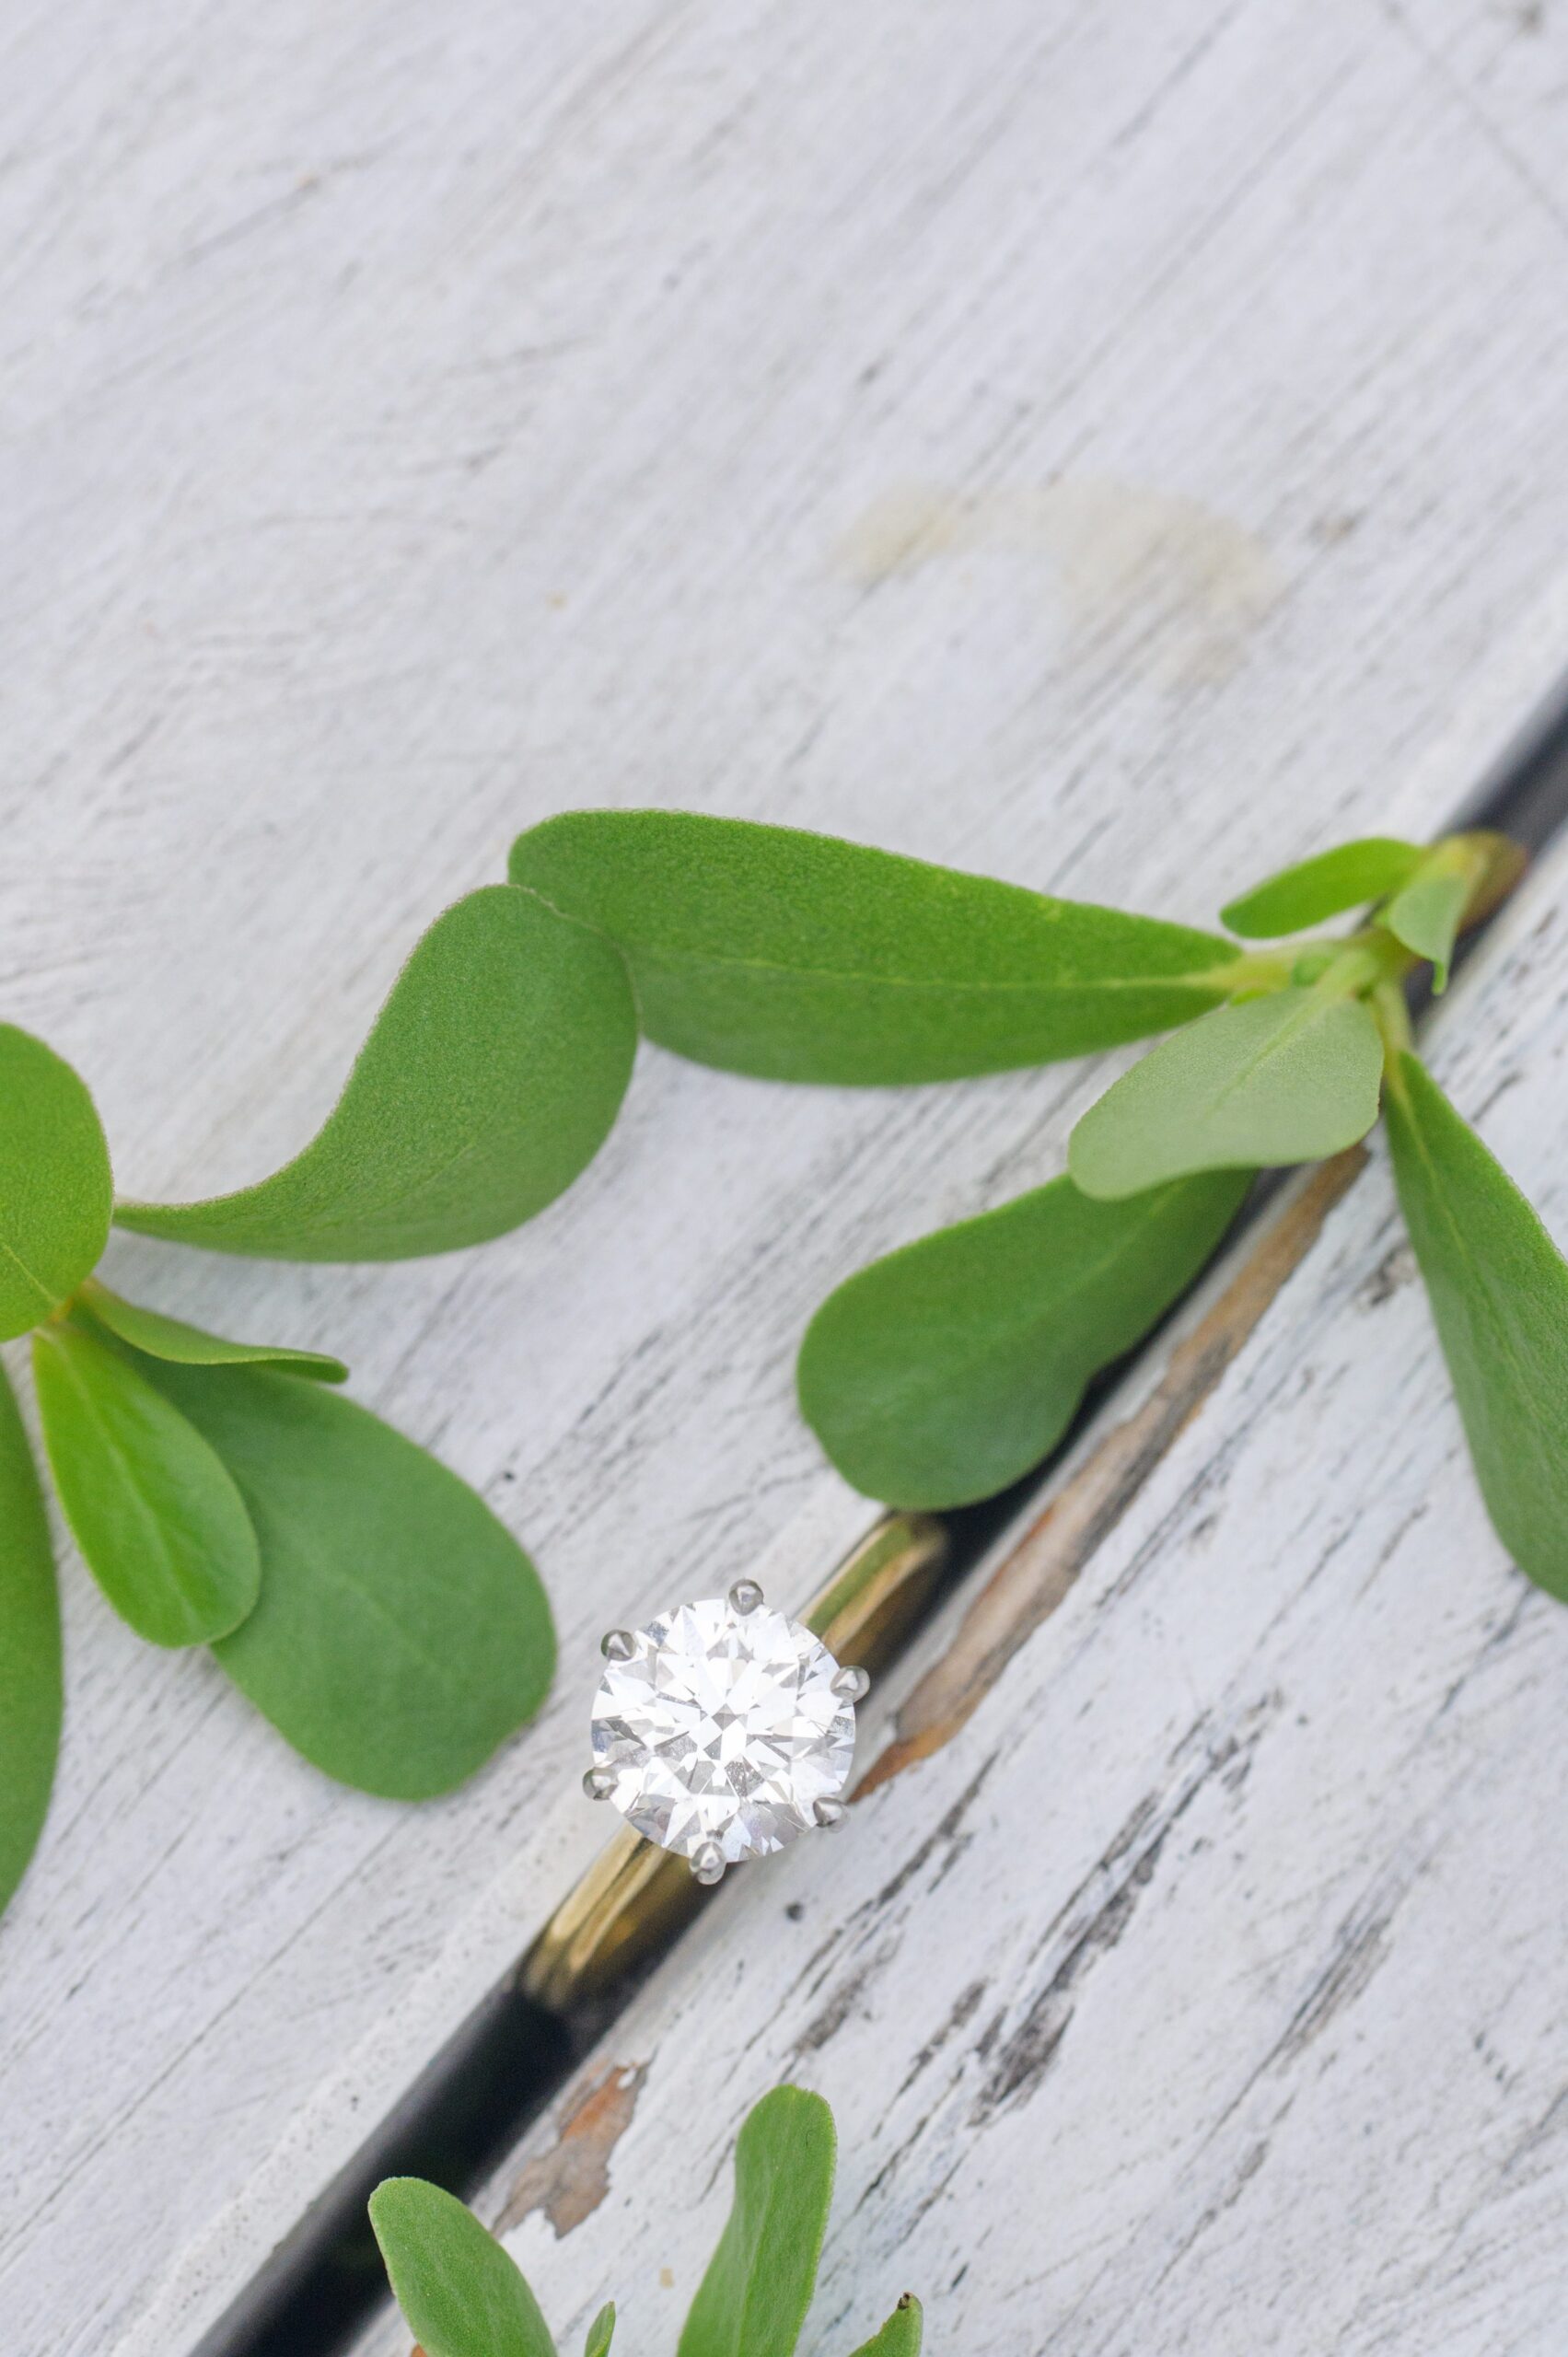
[(1090, 1482)]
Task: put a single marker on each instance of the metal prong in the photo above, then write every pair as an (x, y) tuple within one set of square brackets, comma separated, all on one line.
[(617, 1644), (745, 1597), (829, 1813), (852, 1684), (707, 1862), (599, 1784)]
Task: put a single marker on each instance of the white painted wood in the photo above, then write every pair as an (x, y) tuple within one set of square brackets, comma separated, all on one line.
[(1116, 464), (1507, 67), (1205, 1993)]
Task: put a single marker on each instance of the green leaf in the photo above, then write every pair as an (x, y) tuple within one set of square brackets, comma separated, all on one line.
[(901, 2336), (752, 2301), (462, 2295), (797, 956), (1460, 880), (159, 1337), (55, 1189), (1426, 917), (401, 1632), (491, 1076), (1346, 878), (30, 1693), (163, 1528), (601, 2331), (944, 1372), (1499, 1292), (1287, 1078)]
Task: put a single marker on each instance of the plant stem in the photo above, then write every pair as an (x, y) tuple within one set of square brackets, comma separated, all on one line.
[(1392, 1017)]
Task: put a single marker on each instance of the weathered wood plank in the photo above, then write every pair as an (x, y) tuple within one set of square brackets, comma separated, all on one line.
[(1201, 1989), (1507, 67), (1115, 465)]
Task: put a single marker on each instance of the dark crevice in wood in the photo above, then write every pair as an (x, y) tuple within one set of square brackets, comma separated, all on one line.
[(511, 2060), (1037, 1575)]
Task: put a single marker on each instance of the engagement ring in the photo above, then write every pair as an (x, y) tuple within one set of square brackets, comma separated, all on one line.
[(723, 1729)]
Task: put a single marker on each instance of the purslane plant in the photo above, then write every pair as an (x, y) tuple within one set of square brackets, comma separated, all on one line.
[(947, 1370), (463, 2295), (365, 1600), (221, 1494)]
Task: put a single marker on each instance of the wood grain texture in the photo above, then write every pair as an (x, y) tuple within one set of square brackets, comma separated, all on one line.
[(1105, 463), (1202, 1991)]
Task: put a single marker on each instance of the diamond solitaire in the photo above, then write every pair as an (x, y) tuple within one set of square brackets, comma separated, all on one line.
[(722, 1730)]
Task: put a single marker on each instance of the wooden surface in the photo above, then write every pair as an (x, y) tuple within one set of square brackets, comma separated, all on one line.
[(1113, 463), (1200, 1987)]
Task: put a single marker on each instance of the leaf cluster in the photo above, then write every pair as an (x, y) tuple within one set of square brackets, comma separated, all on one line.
[(224, 1494), (463, 2295), (945, 1370), (371, 1607), (364, 1600), (948, 1369)]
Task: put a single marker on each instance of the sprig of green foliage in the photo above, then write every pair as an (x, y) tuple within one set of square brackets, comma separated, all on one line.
[(368, 1603), (945, 1370), (220, 1493), (463, 2295)]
